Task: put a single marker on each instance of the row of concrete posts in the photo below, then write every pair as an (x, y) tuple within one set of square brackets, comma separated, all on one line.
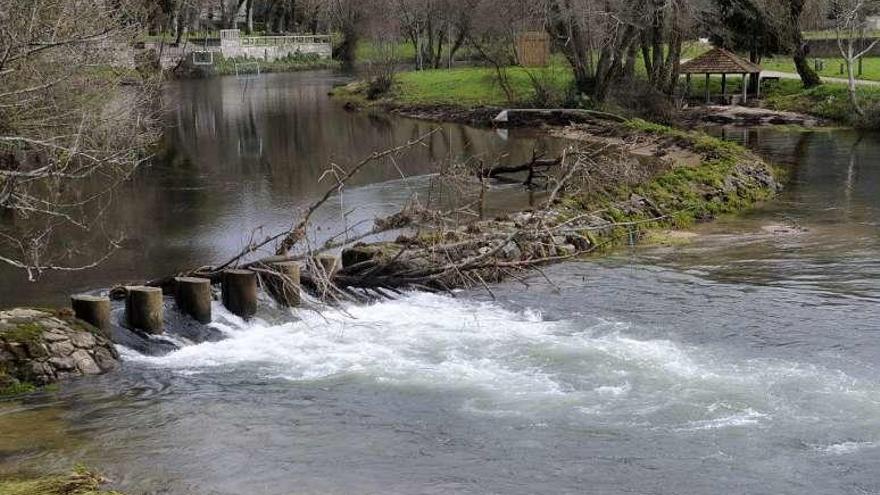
[(145, 308)]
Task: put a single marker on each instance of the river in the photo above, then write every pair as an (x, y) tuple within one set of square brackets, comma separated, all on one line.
[(741, 359)]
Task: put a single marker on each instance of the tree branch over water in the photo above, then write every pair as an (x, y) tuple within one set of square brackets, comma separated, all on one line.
[(72, 127)]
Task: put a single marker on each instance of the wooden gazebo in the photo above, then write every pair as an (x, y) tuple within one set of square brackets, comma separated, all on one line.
[(723, 62)]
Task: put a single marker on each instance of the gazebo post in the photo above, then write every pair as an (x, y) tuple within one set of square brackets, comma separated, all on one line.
[(724, 89), (722, 62), (687, 86), (707, 89)]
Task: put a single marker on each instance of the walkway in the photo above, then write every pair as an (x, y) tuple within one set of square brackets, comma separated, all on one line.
[(840, 80)]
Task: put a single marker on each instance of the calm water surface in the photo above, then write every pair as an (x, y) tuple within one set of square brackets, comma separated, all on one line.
[(246, 154), (744, 360)]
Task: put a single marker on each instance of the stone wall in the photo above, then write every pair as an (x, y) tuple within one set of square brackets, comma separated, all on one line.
[(232, 45), (39, 347)]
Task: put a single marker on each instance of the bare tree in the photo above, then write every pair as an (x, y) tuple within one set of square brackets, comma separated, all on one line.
[(69, 130), (849, 24), (347, 17)]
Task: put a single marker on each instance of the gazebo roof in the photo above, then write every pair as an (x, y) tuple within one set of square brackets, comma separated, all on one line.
[(719, 61)]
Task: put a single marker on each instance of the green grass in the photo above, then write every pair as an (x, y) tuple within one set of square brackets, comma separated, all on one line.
[(478, 86), (828, 101), (23, 332), (870, 67), (19, 388), (223, 66), (403, 51), (370, 50), (79, 482)]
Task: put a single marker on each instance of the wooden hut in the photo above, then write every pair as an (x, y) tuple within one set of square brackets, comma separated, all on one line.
[(721, 62)]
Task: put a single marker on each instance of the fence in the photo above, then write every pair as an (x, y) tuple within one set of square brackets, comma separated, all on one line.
[(533, 49), (317, 39)]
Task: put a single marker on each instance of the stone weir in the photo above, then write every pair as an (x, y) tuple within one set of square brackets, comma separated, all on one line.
[(39, 347)]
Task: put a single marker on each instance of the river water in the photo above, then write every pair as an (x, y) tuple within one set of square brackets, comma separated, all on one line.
[(742, 359)]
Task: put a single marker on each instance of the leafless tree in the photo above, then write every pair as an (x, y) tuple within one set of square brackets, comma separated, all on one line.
[(437, 29), (849, 24), (69, 131), (601, 40)]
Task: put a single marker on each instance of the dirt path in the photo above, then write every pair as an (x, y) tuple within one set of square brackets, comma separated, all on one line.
[(840, 80)]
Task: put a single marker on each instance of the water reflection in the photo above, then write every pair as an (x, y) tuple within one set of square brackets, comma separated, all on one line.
[(241, 155), (821, 234)]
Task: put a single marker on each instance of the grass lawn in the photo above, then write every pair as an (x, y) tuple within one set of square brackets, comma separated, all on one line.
[(870, 67), (223, 66), (478, 85), (828, 100)]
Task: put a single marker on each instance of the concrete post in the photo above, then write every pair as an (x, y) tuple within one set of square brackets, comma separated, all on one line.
[(193, 297), (94, 310), (239, 289), (144, 309), (286, 292)]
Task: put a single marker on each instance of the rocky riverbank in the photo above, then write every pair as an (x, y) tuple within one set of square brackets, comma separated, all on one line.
[(40, 347)]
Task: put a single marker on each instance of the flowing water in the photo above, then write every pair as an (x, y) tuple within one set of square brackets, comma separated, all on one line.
[(742, 359)]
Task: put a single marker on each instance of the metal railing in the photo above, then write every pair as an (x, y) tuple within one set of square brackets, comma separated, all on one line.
[(318, 39)]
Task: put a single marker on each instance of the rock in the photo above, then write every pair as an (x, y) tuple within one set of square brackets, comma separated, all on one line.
[(565, 250), (84, 363), (43, 373), (41, 347), (511, 251), (106, 360), (23, 313), (36, 349), (55, 336), (62, 363), (64, 348), (83, 340), (18, 351)]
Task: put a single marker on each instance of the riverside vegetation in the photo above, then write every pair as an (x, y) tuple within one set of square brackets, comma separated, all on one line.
[(625, 178)]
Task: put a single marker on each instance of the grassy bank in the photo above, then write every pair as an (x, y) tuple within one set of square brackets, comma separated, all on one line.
[(832, 67), (228, 66), (79, 482), (552, 86), (828, 101)]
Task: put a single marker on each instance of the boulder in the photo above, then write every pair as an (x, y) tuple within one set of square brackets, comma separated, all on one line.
[(39, 347)]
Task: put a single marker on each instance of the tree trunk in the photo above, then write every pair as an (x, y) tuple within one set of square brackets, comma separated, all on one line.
[(849, 58), (809, 78), (573, 43), (249, 15), (346, 50)]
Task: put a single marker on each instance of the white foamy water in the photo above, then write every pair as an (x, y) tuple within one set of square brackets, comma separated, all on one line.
[(509, 362)]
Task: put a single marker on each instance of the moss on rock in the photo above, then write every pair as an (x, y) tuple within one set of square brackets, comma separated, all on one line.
[(79, 482)]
